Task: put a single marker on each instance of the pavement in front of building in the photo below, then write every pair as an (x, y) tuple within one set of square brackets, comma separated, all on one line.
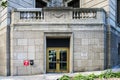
[(49, 76)]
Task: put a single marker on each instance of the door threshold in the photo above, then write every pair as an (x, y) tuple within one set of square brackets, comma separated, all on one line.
[(56, 73)]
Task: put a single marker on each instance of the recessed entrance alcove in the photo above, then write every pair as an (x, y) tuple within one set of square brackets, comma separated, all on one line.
[(58, 53)]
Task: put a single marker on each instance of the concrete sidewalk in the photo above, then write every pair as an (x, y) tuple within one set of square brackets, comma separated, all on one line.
[(50, 76), (33, 77), (45, 76)]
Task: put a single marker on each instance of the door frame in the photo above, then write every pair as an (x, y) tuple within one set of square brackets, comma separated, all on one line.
[(59, 35)]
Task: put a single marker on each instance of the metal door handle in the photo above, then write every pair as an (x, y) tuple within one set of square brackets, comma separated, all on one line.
[(58, 61)]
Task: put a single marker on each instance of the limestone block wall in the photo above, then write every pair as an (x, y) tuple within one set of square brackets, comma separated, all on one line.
[(110, 7), (89, 50), (4, 43), (26, 45), (3, 55)]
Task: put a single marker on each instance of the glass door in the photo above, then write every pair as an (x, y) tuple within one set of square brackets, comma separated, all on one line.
[(57, 60)]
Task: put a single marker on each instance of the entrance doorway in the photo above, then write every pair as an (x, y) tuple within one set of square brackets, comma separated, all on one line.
[(57, 55), (57, 60)]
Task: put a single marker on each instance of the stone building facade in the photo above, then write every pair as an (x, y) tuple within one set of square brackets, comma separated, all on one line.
[(59, 36)]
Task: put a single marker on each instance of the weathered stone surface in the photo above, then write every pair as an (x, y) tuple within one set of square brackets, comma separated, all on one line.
[(88, 49), (23, 70), (3, 52), (22, 42)]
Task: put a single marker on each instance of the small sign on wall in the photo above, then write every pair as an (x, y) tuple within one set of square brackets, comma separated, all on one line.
[(26, 62)]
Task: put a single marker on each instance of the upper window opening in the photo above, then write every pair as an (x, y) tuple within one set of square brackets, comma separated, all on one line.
[(74, 4), (40, 4)]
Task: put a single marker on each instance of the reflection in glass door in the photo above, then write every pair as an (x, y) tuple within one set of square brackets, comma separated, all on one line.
[(63, 60), (52, 59), (57, 60)]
